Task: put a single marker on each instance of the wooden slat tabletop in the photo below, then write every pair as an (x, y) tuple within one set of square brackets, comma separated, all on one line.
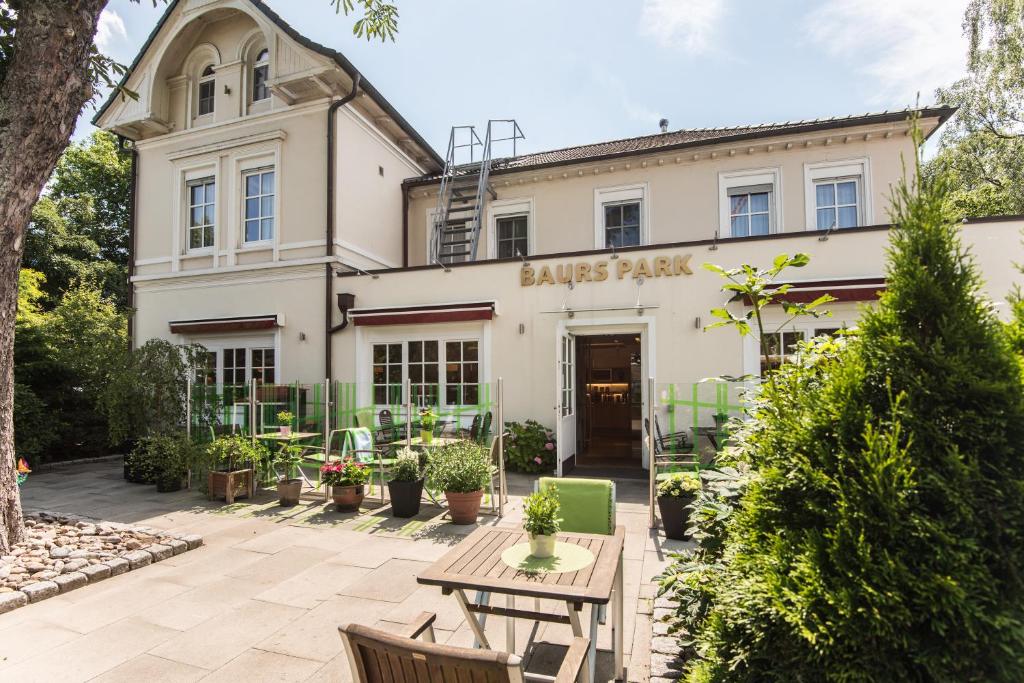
[(475, 564)]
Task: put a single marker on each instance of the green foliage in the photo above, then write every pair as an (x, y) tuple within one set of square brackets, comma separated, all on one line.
[(679, 485), (880, 536), (379, 20), (288, 458), (166, 459), (35, 430), (529, 447), (460, 467), (229, 453), (285, 418), (407, 466), (428, 419), (540, 513), (348, 472)]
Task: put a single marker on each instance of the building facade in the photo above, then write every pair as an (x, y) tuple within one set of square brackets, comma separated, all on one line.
[(288, 219)]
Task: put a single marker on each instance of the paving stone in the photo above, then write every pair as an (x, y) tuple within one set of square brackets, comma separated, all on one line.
[(146, 667), (40, 590), (160, 552), (257, 665), (666, 645), (665, 666), (69, 582), (118, 565), (192, 540), (12, 600), (138, 558), (96, 572), (178, 546)]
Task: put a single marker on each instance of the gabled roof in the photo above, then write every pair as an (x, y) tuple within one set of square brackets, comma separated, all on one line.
[(286, 28), (693, 137)]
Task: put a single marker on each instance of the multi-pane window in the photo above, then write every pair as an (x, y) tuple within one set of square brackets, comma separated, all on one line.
[(836, 203), (234, 367), (424, 376), (206, 369), (511, 236), (262, 365), (207, 91), (387, 373), (259, 205), (260, 74), (622, 224), (462, 372), (781, 348), (750, 210), (202, 203), (567, 368)]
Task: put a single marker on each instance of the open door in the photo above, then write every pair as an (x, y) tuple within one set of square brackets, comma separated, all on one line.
[(565, 406)]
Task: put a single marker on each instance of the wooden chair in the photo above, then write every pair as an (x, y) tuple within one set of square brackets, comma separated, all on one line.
[(384, 657), (474, 428), (485, 427)]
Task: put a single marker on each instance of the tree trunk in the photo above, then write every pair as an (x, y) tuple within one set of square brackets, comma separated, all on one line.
[(47, 82)]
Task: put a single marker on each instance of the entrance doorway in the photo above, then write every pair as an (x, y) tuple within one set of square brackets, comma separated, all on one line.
[(610, 404)]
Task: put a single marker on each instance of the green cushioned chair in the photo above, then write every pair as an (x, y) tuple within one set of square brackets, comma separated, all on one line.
[(588, 505)]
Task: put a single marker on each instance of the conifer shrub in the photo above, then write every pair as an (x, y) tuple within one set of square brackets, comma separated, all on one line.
[(880, 534)]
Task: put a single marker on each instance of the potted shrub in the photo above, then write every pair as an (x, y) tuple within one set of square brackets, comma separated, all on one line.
[(285, 419), (138, 467), (346, 479), (289, 487), (428, 420), (170, 458), (405, 487), (461, 470), (232, 460), (541, 521), (675, 493)]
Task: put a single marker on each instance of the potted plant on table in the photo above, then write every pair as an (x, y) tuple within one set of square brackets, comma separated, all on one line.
[(285, 419), (405, 488), (346, 479), (541, 521), (675, 493), (289, 487), (428, 420), (462, 470), (232, 460)]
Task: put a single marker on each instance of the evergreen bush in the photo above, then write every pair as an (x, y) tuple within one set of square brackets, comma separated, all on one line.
[(880, 536)]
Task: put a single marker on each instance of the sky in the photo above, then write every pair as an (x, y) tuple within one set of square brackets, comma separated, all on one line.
[(578, 71)]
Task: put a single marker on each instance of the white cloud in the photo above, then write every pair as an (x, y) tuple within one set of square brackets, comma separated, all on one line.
[(904, 46), (110, 29), (686, 24)]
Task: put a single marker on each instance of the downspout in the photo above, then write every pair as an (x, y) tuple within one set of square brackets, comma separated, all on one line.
[(329, 234), (405, 226), (132, 189)]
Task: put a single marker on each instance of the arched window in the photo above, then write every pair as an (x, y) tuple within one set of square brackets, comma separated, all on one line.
[(206, 91), (260, 73)]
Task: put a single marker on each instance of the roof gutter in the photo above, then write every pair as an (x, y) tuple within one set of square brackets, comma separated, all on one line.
[(329, 231)]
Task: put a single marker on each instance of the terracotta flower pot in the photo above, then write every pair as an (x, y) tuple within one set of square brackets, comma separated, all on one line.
[(285, 429), (541, 545), (347, 498), (464, 506), (288, 491)]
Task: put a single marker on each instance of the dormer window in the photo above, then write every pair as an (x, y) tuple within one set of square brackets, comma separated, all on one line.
[(207, 91), (260, 74)]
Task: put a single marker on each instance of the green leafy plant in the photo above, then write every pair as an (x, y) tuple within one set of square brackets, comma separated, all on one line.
[(529, 447), (428, 419), (234, 452), (288, 458), (679, 485), (540, 513), (285, 418), (407, 466), (162, 460), (345, 473), (461, 467)]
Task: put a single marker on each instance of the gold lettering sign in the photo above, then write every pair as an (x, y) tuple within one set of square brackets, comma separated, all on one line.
[(598, 271)]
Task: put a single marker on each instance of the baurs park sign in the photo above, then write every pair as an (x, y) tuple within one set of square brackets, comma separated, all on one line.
[(599, 271)]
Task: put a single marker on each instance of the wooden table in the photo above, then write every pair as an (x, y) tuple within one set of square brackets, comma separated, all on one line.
[(475, 564), (418, 441)]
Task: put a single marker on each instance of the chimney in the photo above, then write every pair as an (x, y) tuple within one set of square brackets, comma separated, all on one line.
[(663, 124)]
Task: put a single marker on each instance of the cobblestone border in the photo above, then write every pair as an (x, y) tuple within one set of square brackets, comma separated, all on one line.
[(666, 664), (168, 546)]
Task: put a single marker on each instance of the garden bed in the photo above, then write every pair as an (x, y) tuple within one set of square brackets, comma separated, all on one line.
[(63, 552)]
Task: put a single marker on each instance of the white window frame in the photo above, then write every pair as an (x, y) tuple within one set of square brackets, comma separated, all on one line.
[(442, 363), (806, 327), (859, 168), (185, 177), (243, 197), (622, 194), (508, 208), (728, 180), (257, 63), (220, 343), (189, 184), (203, 80)]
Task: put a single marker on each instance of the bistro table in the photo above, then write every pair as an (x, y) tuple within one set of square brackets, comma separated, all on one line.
[(476, 564), (291, 437), (417, 442)]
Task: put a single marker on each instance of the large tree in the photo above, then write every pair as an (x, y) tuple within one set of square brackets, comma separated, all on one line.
[(49, 69)]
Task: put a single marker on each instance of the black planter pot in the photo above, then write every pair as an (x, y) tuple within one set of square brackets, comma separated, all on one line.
[(673, 516), (405, 497)]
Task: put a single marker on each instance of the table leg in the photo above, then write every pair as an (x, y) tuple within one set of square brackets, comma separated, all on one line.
[(594, 619), (619, 623), (476, 625), (510, 626), (577, 630)]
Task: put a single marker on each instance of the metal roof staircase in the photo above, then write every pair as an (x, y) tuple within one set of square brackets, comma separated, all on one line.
[(465, 188)]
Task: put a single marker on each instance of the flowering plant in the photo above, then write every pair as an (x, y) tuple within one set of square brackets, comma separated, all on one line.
[(530, 447), (23, 471), (348, 472), (428, 419)]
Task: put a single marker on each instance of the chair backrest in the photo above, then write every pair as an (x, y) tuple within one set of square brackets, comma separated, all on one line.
[(485, 426), (494, 449), (380, 657), (587, 505), (474, 427), (647, 432), (358, 442), (385, 417)]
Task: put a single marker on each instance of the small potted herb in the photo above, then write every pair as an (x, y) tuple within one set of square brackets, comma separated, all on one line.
[(462, 470), (541, 521), (346, 479), (428, 420), (405, 488), (289, 487), (285, 418), (232, 460), (675, 493)]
